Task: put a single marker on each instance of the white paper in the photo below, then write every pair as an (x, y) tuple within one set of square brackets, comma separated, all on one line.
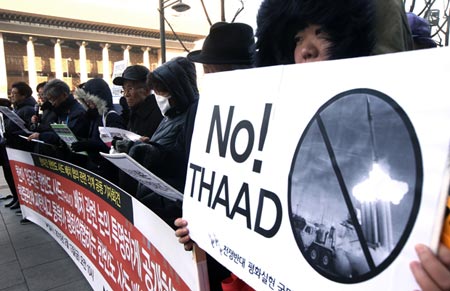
[(108, 133), (144, 176), (14, 118)]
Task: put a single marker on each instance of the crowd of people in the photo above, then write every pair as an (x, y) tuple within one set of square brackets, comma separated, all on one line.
[(160, 106)]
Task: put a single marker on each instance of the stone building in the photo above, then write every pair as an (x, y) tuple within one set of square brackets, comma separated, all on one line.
[(39, 47)]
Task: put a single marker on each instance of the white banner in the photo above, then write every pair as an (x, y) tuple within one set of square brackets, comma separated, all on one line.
[(322, 176)]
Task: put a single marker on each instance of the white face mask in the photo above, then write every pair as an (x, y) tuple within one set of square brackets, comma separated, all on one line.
[(163, 103)]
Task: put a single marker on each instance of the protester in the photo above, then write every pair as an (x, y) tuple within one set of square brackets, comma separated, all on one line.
[(68, 111), (421, 32), (432, 271), (347, 31), (392, 31), (144, 113), (96, 97), (303, 31), (24, 106), (4, 102), (41, 121), (165, 154), (228, 46), (144, 116)]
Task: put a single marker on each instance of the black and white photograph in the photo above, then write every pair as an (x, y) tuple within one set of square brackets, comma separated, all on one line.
[(355, 185)]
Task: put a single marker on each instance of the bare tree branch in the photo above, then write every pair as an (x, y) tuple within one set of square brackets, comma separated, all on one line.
[(238, 11), (206, 13)]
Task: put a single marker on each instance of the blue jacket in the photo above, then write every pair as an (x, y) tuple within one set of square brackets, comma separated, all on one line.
[(71, 113)]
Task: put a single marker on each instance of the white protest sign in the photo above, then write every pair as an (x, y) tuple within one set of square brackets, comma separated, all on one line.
[(118, 69), (322, 176)]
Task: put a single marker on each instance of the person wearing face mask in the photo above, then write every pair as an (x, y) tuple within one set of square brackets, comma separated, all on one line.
[(175, 87), (96, 97)]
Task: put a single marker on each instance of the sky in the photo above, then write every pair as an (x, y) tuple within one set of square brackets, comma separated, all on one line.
[(139, 13)]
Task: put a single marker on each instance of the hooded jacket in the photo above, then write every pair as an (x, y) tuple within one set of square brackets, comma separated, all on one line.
[(98, 92), (349, 23), (167, 154), (179, 76)]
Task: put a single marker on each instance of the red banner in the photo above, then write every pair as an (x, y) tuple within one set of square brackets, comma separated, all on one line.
[(93, 219)]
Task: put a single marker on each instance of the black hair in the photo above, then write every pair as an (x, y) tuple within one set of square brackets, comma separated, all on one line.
[(349, 25), (40, 85), (23, 89)]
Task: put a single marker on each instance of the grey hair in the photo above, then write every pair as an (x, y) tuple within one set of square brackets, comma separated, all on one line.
[(56, 87)]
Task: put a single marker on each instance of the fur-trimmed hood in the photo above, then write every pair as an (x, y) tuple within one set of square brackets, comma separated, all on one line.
[(96, 91), (349, 23)]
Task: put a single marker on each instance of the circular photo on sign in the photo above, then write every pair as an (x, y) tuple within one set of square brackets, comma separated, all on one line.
[(355, 186)]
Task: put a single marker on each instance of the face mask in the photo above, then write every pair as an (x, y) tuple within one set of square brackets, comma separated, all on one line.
[(163, 103)]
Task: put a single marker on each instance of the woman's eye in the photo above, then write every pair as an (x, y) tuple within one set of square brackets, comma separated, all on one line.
[(298, 39)]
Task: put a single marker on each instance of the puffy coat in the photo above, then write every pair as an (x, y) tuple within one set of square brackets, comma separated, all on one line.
[(167, 153), (98, 92)]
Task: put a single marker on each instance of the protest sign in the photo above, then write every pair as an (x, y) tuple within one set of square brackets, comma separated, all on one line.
[(116, 242), (322, 176), (118, 69)]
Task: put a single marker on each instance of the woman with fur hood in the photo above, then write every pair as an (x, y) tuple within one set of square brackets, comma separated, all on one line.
[(95, 96), (341, 29), (297, 31)]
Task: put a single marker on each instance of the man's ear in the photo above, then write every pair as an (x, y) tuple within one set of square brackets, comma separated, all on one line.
[(147, 90)]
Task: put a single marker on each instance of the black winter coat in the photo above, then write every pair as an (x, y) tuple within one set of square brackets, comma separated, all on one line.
[(167, 154), (71, 113), (144, 119)]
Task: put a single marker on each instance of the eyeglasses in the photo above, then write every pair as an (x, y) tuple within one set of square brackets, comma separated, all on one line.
[(129, 89)]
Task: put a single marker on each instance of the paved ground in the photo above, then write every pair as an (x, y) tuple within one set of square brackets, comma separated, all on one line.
[(30, 259)]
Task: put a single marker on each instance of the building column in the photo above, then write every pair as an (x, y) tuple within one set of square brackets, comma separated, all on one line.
[(32, 76), (126, 54), (58, 60), (146, 57), (105, 61), (3, 75), (83, 62)]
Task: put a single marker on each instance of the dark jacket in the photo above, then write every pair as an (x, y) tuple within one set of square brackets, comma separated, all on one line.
[(145, 117), (98, 92), (167, 155), (24, 110), (48, 117), (71, 113)]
